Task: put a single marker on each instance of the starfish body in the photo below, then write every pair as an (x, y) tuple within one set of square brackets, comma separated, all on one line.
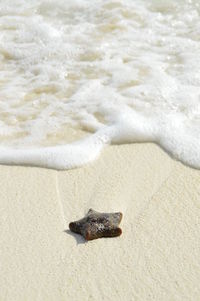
[(96, 225)]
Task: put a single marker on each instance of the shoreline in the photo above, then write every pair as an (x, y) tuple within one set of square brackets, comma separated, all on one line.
[(155, 258)]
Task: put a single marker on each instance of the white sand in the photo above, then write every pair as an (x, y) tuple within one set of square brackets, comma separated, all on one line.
[(156, 258)]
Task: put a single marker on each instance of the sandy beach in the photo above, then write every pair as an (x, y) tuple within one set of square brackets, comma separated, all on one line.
[(156, 258)]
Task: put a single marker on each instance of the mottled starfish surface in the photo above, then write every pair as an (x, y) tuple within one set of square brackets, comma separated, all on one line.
[(96, 225)]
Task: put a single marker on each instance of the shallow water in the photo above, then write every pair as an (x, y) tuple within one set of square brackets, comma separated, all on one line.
[(101, 71)]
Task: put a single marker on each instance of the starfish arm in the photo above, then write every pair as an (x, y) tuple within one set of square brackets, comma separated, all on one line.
[(116, 218), (77, 226), (92, 212), (112, 232), (90, 233)]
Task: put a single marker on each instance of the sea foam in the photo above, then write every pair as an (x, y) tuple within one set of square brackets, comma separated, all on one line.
[(78, 75)]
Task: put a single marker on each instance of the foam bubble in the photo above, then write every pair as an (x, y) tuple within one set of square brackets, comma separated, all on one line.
[(117, 72)]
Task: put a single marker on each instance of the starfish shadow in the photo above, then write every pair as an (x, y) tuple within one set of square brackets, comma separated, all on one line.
[(79, 239)]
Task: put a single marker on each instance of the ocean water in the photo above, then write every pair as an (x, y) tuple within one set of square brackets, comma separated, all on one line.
[(77, 75)]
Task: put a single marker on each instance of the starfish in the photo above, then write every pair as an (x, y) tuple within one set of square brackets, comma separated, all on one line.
[(96, 225)]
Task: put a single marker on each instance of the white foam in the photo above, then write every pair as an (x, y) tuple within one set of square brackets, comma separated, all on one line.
[(120, 71)]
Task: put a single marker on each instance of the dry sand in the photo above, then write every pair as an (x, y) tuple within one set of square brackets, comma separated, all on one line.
[(156, 258)]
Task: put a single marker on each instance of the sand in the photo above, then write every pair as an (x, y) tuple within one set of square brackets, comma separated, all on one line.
[(156, 258)]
